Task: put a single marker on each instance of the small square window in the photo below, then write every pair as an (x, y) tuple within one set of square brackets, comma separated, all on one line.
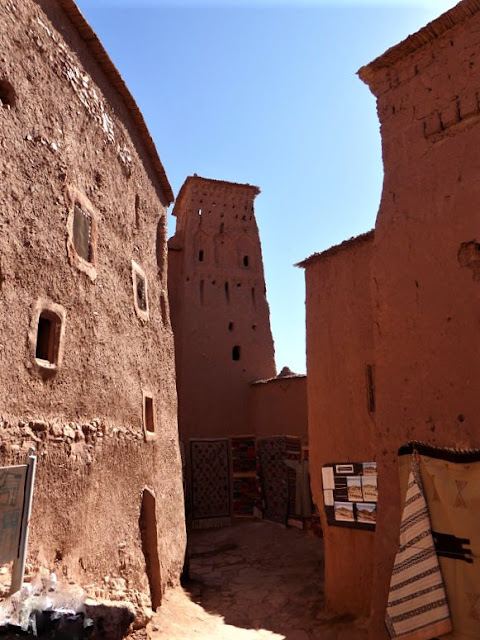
[(46, 336), (149, 418)]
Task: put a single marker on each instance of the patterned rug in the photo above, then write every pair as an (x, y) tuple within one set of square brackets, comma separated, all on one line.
[(293, 460), (451, 480), (211, 489), (274, 478), (417, 605), (244, 463), (244, 496), (244, 455)]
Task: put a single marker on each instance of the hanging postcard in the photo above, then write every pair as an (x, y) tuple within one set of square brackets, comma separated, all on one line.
[(350, 493)]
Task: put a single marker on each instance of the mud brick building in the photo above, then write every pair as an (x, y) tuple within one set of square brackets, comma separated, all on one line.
[(88, 371), (341, 410), (228, 390), (407, 296)]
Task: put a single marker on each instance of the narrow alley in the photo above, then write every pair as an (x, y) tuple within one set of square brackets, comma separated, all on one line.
[(254, 580)]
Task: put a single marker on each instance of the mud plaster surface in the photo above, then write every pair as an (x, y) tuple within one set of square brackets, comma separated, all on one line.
[(69, 130)]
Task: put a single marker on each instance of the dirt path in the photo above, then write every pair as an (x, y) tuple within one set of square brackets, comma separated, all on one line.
[(255, 580)]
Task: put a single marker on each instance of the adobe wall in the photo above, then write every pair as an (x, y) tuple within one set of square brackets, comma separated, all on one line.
[(340, 426), (425, 267), (279, 407), (68, 137), (218, 302)]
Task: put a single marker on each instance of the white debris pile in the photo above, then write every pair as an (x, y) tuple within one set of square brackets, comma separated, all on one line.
[(43, 595)]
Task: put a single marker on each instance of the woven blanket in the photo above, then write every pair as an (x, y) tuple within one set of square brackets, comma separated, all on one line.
[(417, 604), (211, 489), (274, 478), (244, 495), (451, 480), (244, 456), (293, 460)]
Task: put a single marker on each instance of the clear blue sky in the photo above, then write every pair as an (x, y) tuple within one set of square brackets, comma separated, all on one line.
[(266, 93)]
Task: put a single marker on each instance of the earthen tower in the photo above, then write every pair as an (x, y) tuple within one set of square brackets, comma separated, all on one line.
[(220, 314)]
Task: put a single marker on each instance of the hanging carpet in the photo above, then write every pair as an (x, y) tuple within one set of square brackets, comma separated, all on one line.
[(451, 481), (274, 478), (211, 488), (417, 604)]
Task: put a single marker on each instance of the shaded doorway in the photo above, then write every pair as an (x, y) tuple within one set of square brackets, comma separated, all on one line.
[(148, 532)]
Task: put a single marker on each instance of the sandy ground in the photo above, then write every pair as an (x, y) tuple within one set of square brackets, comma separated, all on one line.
[(255, 580)]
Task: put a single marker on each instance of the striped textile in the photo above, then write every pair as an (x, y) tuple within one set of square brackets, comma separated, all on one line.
[(417, 603)]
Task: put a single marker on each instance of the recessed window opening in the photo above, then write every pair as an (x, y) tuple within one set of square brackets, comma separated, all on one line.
[(370, 374), (213, 281), (236, 353), (82, 233), (200, 255), (148, 414), (239, 284), (245, 261), (222, 227), (254, 327), (137, 210), (141, 291), (48, 337), (7, 94), (252, 291), (230, 326), (227, 292)]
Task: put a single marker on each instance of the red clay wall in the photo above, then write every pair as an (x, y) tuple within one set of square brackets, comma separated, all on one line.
[(68, 130), (426, 279), (218, 302), (340, 427), (279, 407)]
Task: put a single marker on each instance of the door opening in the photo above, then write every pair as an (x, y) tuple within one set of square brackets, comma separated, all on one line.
[(148, 531)]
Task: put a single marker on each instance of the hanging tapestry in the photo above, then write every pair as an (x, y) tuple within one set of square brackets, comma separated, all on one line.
[(417, 606), (211, 490), (274, 478), (244, 458), (244, 495), (244, 464), (293, 460), (451, 480)]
